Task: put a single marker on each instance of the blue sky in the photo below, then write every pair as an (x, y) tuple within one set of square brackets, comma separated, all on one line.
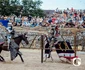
[(63, 4)]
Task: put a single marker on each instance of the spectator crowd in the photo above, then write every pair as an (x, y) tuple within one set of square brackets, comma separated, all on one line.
[(69, 18)]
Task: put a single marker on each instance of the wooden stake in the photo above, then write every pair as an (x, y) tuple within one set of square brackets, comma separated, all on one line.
[(42, 44)]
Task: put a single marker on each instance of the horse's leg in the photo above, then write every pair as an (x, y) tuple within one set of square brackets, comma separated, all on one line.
[(1, 58), (21, 57)]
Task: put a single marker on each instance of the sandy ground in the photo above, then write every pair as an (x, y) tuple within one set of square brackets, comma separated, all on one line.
[(32, 62)]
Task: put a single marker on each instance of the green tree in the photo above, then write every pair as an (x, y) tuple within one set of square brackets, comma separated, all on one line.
[(4, 7), (15, 7), (32, 7), (8, 7), (27, 7)]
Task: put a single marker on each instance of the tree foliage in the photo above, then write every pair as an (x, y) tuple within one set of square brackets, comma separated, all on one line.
[(26, 7), (32, 7)]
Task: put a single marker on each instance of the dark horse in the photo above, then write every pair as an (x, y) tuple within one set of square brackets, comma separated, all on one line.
[(61, 46), (14, 47)]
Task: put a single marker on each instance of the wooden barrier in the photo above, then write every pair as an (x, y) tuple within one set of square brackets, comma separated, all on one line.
[(74, 34), (73, 30)]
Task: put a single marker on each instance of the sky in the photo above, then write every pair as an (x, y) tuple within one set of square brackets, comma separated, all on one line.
[(62, 4)]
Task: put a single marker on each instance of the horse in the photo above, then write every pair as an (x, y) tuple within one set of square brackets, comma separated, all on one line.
[(14, 47), (65, 55)]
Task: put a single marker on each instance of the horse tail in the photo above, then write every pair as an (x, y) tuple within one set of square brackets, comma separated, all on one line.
[(0, 49)]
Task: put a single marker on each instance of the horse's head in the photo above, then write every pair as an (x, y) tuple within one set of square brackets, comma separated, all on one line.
[(24, 37)]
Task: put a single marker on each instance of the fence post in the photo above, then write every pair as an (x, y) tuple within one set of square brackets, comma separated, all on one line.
[(75, 42), (42, 44)]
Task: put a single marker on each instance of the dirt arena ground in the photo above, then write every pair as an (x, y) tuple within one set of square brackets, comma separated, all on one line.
[(32, 62)]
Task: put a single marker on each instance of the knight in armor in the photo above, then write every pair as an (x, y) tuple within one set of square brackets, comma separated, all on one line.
[(52, 39), (55, 34), (51, 34), (11, 32)]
